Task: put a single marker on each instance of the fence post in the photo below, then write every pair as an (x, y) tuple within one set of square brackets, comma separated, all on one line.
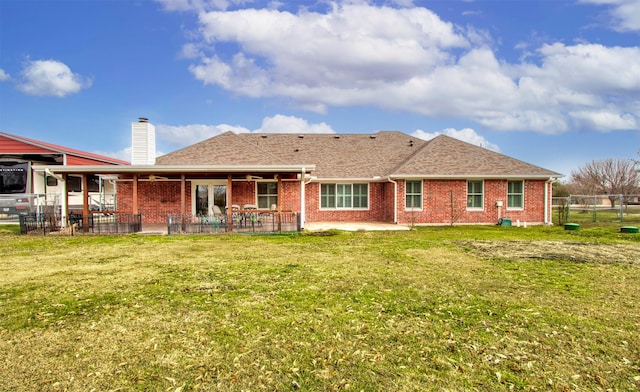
[(620, 198)]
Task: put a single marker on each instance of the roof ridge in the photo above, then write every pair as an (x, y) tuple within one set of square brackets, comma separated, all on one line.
[(409, 157)]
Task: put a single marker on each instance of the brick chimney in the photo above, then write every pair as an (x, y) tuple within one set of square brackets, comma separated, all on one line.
[(143, 142)]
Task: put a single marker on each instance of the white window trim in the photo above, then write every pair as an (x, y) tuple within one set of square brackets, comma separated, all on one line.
[(367, 208), (421, 208), (277, 193), (483, 195), (210, 183), (515, 208)]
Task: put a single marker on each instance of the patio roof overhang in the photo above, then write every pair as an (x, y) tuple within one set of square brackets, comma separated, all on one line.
[(173, 169)]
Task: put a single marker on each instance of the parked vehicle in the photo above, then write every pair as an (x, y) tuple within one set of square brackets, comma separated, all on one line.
[(14, 188)]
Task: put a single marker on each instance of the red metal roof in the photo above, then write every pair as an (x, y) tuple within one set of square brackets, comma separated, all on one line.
[(15, 144)]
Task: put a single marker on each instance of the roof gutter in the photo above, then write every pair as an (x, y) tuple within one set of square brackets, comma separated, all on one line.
[(133, 169), (473, 175), (548, 184)]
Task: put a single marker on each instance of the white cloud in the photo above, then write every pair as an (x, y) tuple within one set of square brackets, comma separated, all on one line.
[(605, 119), (409, 59), (624, 14), (4, 76), (353, 47), (184, 135), (466, 134), (124, 154), (402, 3), (289, 124), (199, 5), (190, 51), (51, 78)]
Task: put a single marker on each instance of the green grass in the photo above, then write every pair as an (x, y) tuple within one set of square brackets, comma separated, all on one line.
[(436, 308), (603, 217)]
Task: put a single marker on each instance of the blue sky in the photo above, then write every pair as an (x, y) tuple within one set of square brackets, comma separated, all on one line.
[(553, 83)]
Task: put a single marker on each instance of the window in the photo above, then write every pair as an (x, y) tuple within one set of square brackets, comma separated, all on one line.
[(413, 194), (93, 183), (360, 195), (475, 194), (74, 184), (52, 181), (515, 194), (328, 196), (344, 196), (267, 194)]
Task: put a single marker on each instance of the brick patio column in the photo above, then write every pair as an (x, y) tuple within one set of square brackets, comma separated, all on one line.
[(135, 194)]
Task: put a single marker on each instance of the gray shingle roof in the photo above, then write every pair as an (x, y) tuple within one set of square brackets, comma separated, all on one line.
[(355, 155), (446, 156)]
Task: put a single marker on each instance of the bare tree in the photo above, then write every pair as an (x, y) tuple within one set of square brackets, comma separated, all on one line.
[(456, 208), (608, 177)]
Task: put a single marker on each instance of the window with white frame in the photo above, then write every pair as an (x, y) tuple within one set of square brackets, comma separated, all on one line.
[(267, 194), (360, 195), (515, 194), (344, 196), (475, 194), (413, 195)]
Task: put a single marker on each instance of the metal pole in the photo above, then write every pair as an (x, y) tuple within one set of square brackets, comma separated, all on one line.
[(620, 197)]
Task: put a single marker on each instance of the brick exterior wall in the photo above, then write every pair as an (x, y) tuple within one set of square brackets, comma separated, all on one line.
[(377, 211), (444, 202), (156, 199)]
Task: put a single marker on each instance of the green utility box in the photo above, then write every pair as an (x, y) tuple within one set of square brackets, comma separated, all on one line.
[(571, 226), (504, 222), (628, 229)]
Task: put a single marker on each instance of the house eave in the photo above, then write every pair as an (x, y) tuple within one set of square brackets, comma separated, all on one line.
[(349, 179), (153, 169), (474, 175)]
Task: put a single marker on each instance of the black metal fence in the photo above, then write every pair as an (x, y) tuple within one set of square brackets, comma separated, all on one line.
[(97, 223), (191, 224), (39, 223), (241, 222)]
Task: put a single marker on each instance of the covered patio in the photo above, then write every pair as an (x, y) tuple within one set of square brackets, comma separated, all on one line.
[(232, 196)]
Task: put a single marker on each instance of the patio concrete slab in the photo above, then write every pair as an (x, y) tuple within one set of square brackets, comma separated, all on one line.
[(354, 226), (161, 229)]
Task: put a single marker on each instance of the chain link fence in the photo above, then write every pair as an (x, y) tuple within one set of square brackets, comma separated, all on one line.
[(596, 209)]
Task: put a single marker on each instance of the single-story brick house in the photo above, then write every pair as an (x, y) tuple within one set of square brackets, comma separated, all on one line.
[(383, 177)]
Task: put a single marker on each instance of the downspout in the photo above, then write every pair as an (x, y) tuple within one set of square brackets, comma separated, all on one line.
[(395, 199), (549, 183), (302, 199)]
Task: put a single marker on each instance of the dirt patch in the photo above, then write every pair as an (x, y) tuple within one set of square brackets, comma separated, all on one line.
[(555, 250)]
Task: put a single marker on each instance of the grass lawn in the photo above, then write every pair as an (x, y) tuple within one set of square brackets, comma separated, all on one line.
[(441, 308)]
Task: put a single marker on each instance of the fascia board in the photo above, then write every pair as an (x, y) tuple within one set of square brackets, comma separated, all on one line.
[(133, 169), (467, 176)]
